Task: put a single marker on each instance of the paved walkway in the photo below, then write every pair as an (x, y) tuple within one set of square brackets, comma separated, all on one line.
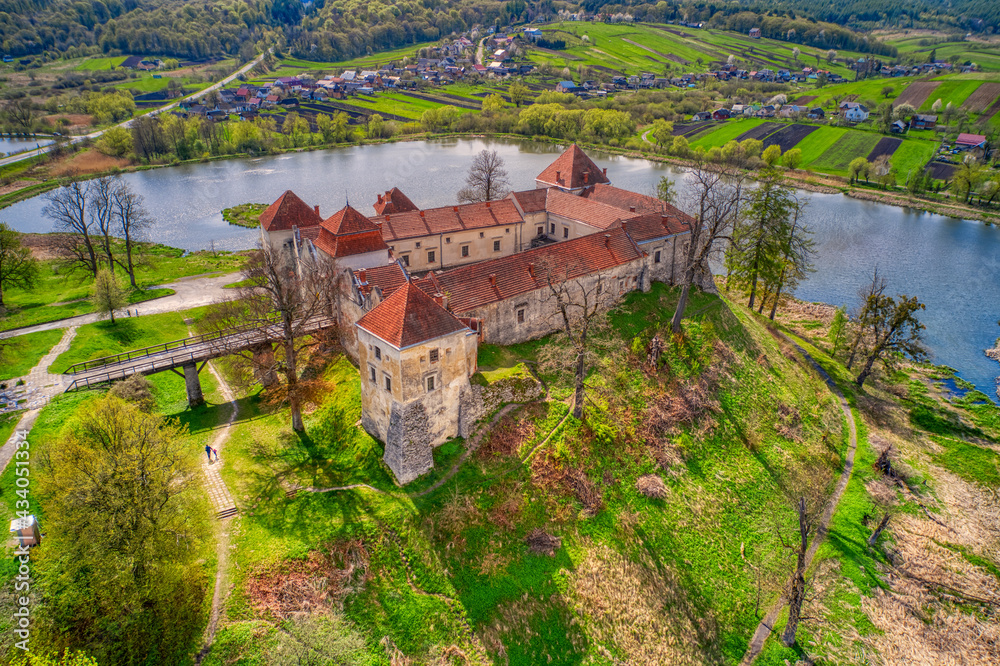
[(190, 292), (38, 389)]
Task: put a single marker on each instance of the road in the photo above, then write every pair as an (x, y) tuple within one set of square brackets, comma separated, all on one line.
[(479, 51), (190, 292), (93, 135)]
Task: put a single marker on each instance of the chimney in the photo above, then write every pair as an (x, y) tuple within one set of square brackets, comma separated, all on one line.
[(386, 218), (631, 209), (363, 276), (607, 240), (531, 270), (586, 179), (316, 208), (605, 173), (493, 279), (455, 208), (663, 220), (558, 176), (439, 299), (624, 228), (421, 213), (380, 200), (487, 204)]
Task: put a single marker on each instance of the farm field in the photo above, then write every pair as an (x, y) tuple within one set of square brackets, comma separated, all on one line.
[(916, 93), (852, 144), (983, 97), (887, 145), (912, 154), (760, 131), (819, 142), (726, 132), (869, 90), (294, 66), (951, 90), (789, 136), (986, 56)]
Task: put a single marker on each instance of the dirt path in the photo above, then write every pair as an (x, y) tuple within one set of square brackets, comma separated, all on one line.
[(767, 624)]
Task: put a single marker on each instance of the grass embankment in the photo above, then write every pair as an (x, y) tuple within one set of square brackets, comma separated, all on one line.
[(465, 542), (21, 354), (244, 215), (60, 293)]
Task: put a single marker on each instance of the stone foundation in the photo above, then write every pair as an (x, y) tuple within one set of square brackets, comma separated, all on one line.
[(408, 443)]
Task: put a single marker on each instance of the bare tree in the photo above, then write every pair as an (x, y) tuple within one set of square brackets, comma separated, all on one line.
[(796, 251), (17, 267), (797, 589), (487, 179), (869, 295), (108, 296), (580, 305), (67, 207), (101, 215), (21, 113), (276, 296), (714, 200), (131, 222)]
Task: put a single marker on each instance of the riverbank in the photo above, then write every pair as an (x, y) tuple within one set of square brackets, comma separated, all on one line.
[(806, 180), (995, 355)]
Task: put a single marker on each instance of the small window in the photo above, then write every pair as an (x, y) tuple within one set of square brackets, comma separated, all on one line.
[(388, 383), (406, 260), (552, 229), (656, 257), (418, 245), (430, 383), (371, 371), (496, 246), (378, 353), (430, 257), (447, 239), (465, 250), (507, 230), (541, 230), (434, 356), (520, 318), (482, 234), (565, 232)]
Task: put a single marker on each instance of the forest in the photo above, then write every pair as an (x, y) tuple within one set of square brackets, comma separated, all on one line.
[(341, 29)]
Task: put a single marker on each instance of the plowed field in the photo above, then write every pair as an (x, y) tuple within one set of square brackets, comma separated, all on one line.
[(916, 93)]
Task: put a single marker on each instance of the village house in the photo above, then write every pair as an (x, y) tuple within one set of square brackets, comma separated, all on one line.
[(754, 33), (923, 121)]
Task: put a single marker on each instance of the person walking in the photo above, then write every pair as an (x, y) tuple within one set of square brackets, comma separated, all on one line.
[(216, 452), (208, 452)]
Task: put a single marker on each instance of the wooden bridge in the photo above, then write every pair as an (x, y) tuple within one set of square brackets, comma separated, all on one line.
[(185, 357)]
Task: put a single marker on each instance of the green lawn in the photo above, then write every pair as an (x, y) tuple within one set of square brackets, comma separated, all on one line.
[(98, 64), (912, 154), (104, 338), (727, 132), (22, 353), (818, 142), (852, 144)]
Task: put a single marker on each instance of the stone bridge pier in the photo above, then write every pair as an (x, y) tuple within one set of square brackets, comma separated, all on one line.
[(263, 364), (193, 383)]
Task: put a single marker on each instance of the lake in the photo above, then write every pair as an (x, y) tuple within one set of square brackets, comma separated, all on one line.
[(14, 145), (952, 265)]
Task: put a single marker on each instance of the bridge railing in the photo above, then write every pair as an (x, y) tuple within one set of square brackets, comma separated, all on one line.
[(214, 343)]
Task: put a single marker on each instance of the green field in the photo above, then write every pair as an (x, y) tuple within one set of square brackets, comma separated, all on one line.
[(986, 56), (852, 144), (294, 66), (912, 154), (726, 132), (19, 355), (818, 142), (98, 64), (950, 90)]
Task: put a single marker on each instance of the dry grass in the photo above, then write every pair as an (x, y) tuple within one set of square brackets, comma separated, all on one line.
[(317, 583), (652, 486), (459, 512), (87, 162), (541, 542), (507, 437)]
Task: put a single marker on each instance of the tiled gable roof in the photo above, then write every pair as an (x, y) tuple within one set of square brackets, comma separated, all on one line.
[(449, 219), (591, 213), (572, 170), (287, 212), (351, 244), (348, 221), (475, 285), (530, 201), (409, 317), (394, 201), (388, 278), (623, 199), (655, 225)]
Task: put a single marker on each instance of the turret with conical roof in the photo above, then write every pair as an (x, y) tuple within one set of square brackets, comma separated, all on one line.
[(572, 172)]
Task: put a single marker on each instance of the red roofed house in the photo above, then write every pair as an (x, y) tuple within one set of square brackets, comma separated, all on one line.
[(394, 201), (415, 359), (353, 240), (967, 141), (280, 220)]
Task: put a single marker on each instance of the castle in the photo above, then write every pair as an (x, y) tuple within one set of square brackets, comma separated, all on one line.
[(419, 289)]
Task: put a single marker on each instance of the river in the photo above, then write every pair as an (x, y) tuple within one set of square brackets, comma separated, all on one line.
[(952, 265)]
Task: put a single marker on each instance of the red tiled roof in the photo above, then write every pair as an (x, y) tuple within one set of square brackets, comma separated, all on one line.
[(530, 201), (475, 285), (388, 278), (970, 139), (350, 244), (287, 212), (394, 201), (623, 199), (348, 221), (449, 219), (571, 167), (592, 213), (408, 317), (655, 225)]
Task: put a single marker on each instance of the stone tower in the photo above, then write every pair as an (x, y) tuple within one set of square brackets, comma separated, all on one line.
[(415, 359)]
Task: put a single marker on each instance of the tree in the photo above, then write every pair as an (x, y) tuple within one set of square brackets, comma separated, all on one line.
[(662, 132), (518, 93), (753, 257), (793, 158), (797, 591), (680, 146), (665, 190), (937, 106), (713, 200), (131, 221), (116, 142), (858, 167), (487, 179), (795, 54), (67, 207), (771, 154), (837, 329), (885, 175), (888, 329), (20, 114), (376, 126), (99, 208), (276, 294), (887, 90), (831, 55), (108, 296), (795, 252), (18, 268), (903, 111), (122, 503), (492, 103)]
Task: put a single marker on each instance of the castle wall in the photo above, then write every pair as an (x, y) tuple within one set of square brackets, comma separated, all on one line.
[(447, 247)]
